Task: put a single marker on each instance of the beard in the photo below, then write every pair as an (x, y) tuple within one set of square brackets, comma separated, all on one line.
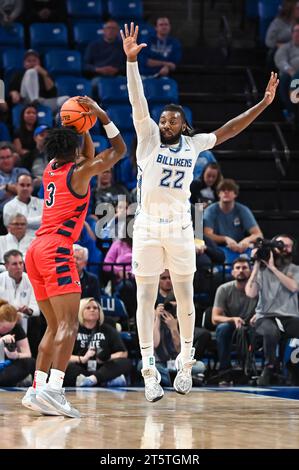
[(170, 140), (282, 259)]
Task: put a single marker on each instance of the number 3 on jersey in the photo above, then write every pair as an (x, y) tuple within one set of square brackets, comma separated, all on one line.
[(167, 180), (51, 189)]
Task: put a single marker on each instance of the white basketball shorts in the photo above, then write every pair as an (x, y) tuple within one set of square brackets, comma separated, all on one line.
[(160, 245)]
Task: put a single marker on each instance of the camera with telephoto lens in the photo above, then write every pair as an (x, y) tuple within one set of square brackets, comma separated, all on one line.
[(265, 247), (11, 347), (170, 308)]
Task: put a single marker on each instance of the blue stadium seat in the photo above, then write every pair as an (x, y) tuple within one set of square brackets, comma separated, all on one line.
[(161, 90), (267, 10), (46, 35), (12, 37), (85, 9), (146, 30), (126, 9), (63, 62), (158, 108), (251, 8), (44, 113), (113, 307), (121, 115), (84, 33), (12, 59), (100, 143), (73, 86), (113, 90)]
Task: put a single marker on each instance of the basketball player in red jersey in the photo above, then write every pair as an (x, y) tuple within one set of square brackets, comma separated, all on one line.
[(49, 261)]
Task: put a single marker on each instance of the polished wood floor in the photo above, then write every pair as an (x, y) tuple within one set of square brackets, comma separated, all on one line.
[(205, 419)]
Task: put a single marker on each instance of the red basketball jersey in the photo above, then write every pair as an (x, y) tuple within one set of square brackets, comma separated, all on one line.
[(64, 211)]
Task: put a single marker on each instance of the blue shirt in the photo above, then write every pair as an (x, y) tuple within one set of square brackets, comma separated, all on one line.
[(9, 178), (168, 50), (100, 53), (235, 224)]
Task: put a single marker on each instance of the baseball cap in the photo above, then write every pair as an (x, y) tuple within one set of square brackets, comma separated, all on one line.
[(31, 52), (40, 129)]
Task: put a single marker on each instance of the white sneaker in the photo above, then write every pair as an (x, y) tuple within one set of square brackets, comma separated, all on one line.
[(29, 401), (183, 380), (56, 401), (153, 389)]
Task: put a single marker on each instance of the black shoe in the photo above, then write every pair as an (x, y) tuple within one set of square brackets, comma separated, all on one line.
[(266, 377)]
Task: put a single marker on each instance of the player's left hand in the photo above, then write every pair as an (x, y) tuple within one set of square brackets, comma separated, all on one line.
[(271, 89)]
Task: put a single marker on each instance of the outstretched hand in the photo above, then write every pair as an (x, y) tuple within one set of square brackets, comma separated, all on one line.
[(271, 89), (131, 48)]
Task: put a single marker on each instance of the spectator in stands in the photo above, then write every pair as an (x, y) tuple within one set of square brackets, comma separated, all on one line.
[(204, 189), (229, 223), (16, 348), (276, 283), (205, 280), (287, 61), (280, 29), (99, 354), (33, 84), (8, 174), (10, 11), (167, 341), (107, 191), (45, 11), (116, 227), (201, 335), (232, 309), (15, 288), (37, 161), (24, 203), (203, 159), (89, 282), (120, 252), (163, 52), (87, 239), (104, 57), (17, 237), (23, 136)]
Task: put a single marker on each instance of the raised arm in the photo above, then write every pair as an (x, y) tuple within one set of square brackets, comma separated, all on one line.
[(239, 123), (135, 87)]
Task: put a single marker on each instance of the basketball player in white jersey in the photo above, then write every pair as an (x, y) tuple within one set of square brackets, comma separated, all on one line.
[(163, 234)]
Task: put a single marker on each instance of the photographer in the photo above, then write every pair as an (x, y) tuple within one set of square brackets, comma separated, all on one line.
[(232, 309), (276, 280), (17, 362), (99, 354)]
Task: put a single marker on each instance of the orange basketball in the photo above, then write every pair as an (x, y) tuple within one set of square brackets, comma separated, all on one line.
[(70, 115)]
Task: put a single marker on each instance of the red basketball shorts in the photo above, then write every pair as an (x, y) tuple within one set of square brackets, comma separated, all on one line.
[(51, 267)]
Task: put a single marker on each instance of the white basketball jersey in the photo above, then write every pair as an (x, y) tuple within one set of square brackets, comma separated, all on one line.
[(166, 172)]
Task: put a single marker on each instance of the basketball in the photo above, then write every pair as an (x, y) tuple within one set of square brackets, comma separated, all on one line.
[(70, 115)]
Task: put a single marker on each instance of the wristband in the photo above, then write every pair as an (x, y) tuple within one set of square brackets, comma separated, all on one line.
[(80, 362), (111, 130)]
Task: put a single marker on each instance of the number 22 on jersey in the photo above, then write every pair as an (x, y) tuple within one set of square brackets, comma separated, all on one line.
[(172, 178)]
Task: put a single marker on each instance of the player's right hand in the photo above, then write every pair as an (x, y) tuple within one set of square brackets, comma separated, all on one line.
[(130, 45), (93, 106)]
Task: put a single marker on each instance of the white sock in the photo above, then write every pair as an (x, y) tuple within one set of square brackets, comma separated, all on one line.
[(186, 346), (40, 379), (147, 288), (56, 379), (183, 291)]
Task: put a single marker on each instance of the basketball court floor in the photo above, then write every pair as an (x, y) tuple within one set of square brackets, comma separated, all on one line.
[(207, 418)]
